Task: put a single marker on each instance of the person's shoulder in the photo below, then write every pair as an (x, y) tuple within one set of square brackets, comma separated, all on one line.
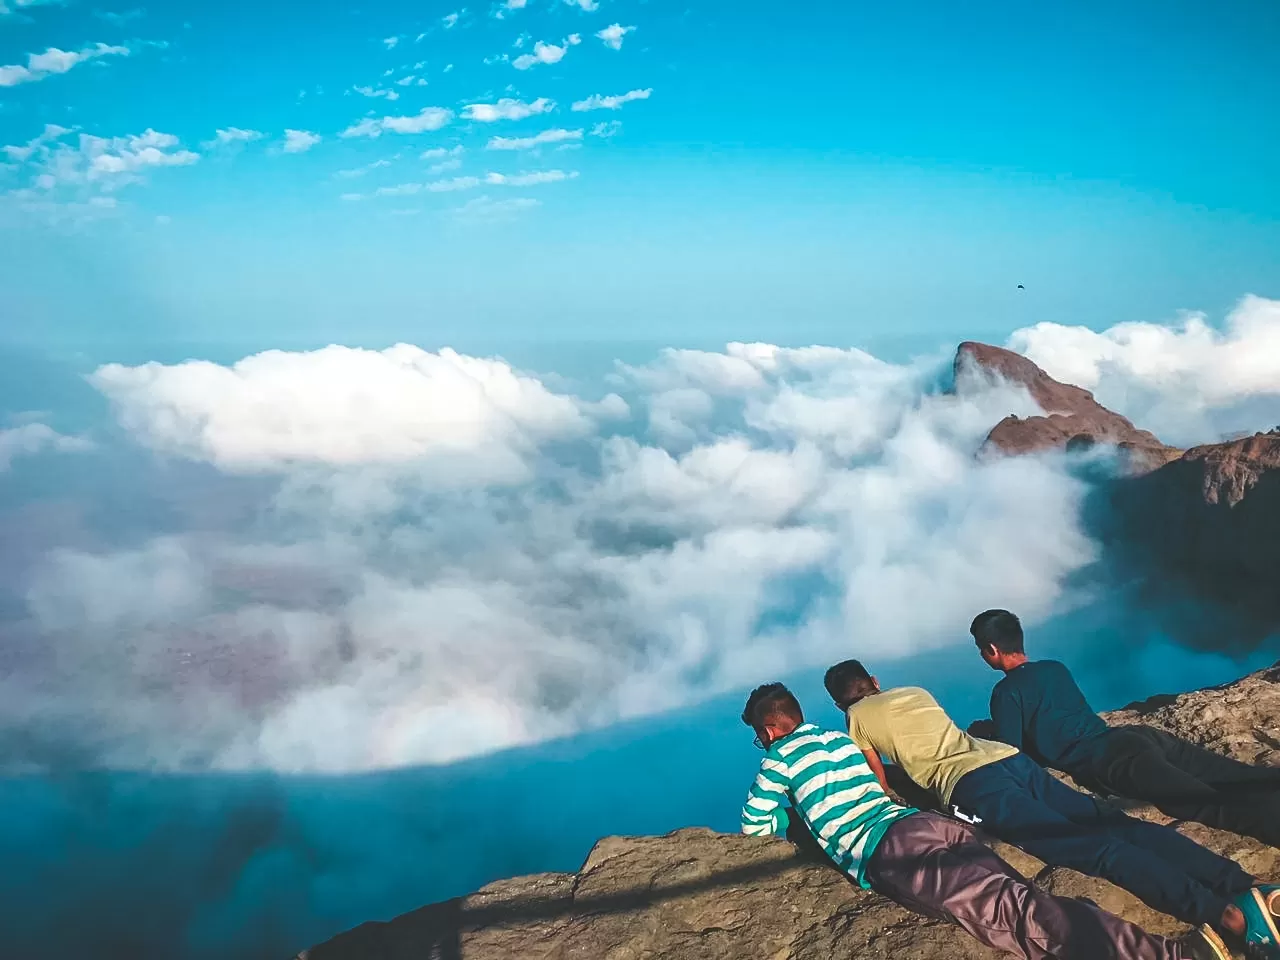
[(904, 692), (1051, 667)]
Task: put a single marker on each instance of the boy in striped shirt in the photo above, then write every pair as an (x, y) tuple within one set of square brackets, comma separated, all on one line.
[(923, 861)]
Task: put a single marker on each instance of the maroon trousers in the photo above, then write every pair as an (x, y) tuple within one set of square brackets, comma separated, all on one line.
[(938, 867)]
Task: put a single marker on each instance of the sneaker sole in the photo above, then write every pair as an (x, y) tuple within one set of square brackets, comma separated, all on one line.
[(1215, 942)]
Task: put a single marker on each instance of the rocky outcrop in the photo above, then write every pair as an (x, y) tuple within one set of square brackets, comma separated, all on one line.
[(1208, 521), (1185, 527), (699, 895), (1240, 719), (1072, 417)]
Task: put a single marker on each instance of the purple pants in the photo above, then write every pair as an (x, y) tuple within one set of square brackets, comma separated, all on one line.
[(938, 867)]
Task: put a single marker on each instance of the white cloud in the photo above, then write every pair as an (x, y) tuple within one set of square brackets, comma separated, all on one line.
[(351, 197), (231, 136), (123, 158), (439, 153), (610, 128), (39, 143), (613, 34), (426, 119), (487, 210), (55, 61), (34, 438), (598, 102), (409, 80), (436, 186), (300, 141), (507, 6), (528, 143), (453, 184), (444, 166), (373, 92), (1188, 383), (75, 177), (361, 171), (402, 190), (342, 407), (529, 179), (507, 109), (118, 19), (391, 42), (10, 6), (546, 53), (590, 6), (451, 20), (447, 158)]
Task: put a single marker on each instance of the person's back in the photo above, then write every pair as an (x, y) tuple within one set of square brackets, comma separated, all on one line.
[(1038, 708), (907, 725), (826, 778)]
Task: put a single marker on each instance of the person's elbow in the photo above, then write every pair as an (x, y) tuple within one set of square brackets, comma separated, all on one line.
[(983, 729)]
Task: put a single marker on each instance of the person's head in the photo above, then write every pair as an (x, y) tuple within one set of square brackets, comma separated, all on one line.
[(848, 682), (998, 636), (773, 712)]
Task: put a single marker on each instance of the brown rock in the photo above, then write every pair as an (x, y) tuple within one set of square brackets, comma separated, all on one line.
[(1073, 418), (698, 895), (1210, 520)]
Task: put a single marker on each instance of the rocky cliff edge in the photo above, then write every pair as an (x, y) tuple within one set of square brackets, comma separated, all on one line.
[(700, 895)]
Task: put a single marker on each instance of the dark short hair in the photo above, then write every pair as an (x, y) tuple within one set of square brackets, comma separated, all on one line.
[(998, 628), (770, 702), (844, 678)]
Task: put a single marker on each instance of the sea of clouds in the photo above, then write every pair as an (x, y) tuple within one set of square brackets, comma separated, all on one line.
[(422, 556)]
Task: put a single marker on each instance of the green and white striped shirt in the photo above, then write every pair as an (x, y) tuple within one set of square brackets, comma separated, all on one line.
[(826, 778)]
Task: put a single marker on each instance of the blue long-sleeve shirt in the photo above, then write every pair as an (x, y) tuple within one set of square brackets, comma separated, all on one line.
[(1039, 709)]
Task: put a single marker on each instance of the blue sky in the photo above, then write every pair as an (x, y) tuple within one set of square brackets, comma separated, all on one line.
[(841, 172)]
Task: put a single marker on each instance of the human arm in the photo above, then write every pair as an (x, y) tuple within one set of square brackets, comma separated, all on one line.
[(983, 730), (877, 767), (1006, 715), (764, 815)]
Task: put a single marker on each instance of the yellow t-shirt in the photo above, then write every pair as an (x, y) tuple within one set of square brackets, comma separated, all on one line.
[(907, 726)]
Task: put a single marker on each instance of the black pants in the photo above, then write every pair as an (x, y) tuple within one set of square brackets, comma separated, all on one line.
[(1023, 805), (1186, 781)]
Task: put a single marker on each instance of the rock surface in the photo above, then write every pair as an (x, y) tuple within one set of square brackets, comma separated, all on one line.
[(1072, 417), (699, 895), (1211, 520)]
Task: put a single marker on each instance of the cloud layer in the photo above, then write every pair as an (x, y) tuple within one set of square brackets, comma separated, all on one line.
[(447, 555), (434, 555)]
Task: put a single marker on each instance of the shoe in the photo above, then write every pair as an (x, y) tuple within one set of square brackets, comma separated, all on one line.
[(1261, 936), (1271, 893), (1204, 944)]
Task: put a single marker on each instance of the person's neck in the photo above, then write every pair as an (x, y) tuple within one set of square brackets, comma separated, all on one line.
[(1013, 661)]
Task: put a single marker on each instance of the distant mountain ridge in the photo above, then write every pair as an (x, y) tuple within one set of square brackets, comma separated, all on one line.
[(1207, 518)]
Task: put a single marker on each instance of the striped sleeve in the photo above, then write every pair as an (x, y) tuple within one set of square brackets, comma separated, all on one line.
[(764, 814)]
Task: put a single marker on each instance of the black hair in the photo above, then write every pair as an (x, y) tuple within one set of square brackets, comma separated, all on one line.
[(999, 629), (770, 702), (844, 680)]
